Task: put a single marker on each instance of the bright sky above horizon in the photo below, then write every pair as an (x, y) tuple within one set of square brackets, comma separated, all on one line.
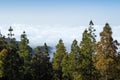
[(50, 20), (65, 12)]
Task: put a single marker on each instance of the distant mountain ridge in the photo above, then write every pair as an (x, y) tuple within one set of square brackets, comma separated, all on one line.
[(32, 50)]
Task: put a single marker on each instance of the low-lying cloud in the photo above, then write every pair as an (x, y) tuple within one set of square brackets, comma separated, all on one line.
[(39, 34)]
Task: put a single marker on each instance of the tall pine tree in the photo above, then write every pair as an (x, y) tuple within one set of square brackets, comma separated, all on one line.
[(74, 61), (25, 56), (86, 48), (12, 61), (47, 63), (37, 64), (57, 60), (41, 64), (23, 46), (106, 50)]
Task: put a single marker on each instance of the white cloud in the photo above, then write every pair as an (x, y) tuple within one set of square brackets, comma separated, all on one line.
[(38, 34)]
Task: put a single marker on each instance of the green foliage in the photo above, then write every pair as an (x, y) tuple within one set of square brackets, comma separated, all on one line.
[(24, 53), (11, 64), (74, 61), (3, 46), (41, 67), (2, 58), (65, 68), (86, 48), (3, 43), (57, 60), (37, 64), (23, 46)]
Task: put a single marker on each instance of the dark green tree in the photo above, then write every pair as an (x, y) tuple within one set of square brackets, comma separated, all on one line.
[(47, 63), (12, 61), (11, 40), (57, 60), (37, 64), (11, 66), (41, 64), (86, 48)]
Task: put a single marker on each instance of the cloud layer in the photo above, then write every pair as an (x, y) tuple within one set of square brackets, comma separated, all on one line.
[(39, 34)]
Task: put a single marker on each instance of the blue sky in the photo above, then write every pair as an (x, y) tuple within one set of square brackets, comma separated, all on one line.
[(50, 20), (66, 12)]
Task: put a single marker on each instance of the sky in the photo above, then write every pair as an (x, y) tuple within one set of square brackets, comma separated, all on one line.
[(65, 12), (49, 20)]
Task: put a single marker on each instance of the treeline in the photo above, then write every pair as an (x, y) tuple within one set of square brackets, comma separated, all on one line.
[(89, 60)]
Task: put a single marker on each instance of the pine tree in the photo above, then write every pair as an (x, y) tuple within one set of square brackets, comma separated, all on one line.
[(47, 63), (11, 65), (37, 64), (23, 46), (10, 34), (25, 56), (57, 60), (46, 54), (11, 40), (74, 61), (41, 65), (105, 53), (12, 60), (86, 48)]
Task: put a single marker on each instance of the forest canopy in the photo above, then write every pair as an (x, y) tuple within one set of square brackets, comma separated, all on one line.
[(89, 60)]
